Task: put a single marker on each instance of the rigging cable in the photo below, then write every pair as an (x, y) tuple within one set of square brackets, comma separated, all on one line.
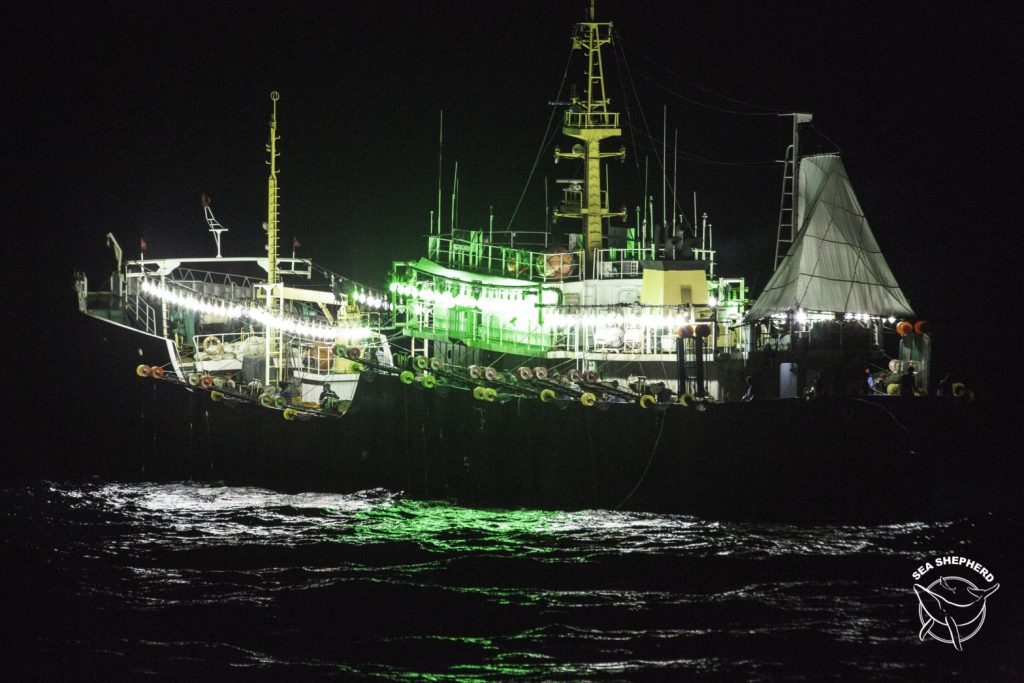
[(543, 146)]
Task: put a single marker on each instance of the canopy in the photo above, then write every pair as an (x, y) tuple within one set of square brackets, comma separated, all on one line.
[(834, 263)]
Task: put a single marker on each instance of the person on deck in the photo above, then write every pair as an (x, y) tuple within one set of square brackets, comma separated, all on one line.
[(327, 394)]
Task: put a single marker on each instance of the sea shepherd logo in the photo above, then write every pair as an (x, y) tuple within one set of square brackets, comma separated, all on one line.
[(952, 608)]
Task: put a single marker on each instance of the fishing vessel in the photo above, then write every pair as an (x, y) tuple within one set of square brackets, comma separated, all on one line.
[(603, 370)]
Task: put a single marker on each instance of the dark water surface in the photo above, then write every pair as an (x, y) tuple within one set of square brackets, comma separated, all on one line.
[(110, 580)]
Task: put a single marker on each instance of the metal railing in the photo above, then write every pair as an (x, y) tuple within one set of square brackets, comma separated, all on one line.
[(596, 119), (508, 259)]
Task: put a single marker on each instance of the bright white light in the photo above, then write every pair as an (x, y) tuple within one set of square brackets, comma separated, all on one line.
[(801, 316)]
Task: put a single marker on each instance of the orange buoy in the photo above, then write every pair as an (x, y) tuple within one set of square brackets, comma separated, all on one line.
[(142, 370), (686, 331), (920, 327), (206, 381), (904, 328), (703, 330), (156, 372)]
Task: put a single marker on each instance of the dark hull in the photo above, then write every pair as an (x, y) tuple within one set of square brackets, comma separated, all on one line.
[(884, 458)]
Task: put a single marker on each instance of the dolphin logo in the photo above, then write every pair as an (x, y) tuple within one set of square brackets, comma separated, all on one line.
[(955, 603)]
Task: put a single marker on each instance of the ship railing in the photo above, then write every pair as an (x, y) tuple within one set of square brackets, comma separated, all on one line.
[(594, 119), (522, 255), (141, 312), (619, 263), (165, 267)]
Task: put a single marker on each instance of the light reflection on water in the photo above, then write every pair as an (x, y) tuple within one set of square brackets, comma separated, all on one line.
[(182, 577)]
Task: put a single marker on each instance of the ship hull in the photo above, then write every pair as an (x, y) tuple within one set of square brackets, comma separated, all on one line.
[(881, 458)]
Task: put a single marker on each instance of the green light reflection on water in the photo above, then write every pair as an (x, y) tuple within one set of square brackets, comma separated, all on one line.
[(444, 528)]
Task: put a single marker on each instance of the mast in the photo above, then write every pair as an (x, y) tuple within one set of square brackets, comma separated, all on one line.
[(274, 356), (590, 121), (272, 195)]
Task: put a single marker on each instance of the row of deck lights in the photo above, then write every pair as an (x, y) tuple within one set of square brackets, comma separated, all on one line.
[(801, 316), (260, 315)]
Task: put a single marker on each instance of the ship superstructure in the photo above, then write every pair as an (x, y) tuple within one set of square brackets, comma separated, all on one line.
[(633, 304)]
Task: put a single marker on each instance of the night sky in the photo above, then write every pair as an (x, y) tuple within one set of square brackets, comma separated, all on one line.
[(132, 110)]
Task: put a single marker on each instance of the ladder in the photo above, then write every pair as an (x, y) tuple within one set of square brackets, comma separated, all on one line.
[(787, 210)]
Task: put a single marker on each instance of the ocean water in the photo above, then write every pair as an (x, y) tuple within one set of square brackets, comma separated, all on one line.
[(106, 580)]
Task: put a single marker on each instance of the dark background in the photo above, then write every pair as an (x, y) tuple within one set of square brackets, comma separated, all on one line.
[(122, 114)]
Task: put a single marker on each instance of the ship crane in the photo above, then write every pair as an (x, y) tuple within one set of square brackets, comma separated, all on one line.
[(215, 227)]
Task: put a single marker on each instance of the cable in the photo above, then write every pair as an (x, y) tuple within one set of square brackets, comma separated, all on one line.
[(643, 475)]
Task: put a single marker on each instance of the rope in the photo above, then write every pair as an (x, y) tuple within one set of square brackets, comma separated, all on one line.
[(664, 417)]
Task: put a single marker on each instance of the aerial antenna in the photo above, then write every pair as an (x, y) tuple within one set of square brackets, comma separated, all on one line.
[(272, 194), (215, 227), (440, 152)]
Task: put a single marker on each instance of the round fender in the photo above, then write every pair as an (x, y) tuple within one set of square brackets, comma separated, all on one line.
[(491, 393), (490, 374), (213, 346), (407, 377), (920, 327), (143, 370), (573, 375), (894, 365), (429, 381), (280, 402), (474, 371), (219, 382), (547, 395), (266, 401), (590, 376), (216, 396), (646, 401), (436, 363), (686, 331), (588, 399), (156, 372), (958, 389), (903, 328), (524, 373), (206, 381), (354, 353), (703, 330), (540, 372), (340, 350), (419, 362), (193, 379), (480, 393), (686, 399), (290, 414)]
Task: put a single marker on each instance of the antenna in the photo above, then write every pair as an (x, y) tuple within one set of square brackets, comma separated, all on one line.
[(215, 227), (440, 152), (272, 194)]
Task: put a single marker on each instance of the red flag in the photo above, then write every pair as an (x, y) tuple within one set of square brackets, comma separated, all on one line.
[(142, 244), (295, 243)]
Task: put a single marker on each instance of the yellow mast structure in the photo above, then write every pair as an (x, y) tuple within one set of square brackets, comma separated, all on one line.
[(275, 346), (589, 120)]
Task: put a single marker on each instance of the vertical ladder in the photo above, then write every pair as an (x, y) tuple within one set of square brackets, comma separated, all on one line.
[(787, 209)]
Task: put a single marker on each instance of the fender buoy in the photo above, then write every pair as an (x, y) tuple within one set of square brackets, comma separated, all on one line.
[(903, 328), (588, 399), (219, 382), (894, 365), (591, 376), (524, 373), (573, 375), (920, 327), (340, 350), (540, 372), (280, 402), (206, 381), (354, 353), (419, 362), (216, 396), (211, 343), (958, 389), (290, 414), (686, 399), (479, 393), (265, 400), (703, 330), (156, 372), (429, 381), (436, 363), (490, 374), (547, 395), (686, 331), (474, 371), (491, 393), (143, 370), (193, 379), (407, 377), (892, 389), (646, 401)]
